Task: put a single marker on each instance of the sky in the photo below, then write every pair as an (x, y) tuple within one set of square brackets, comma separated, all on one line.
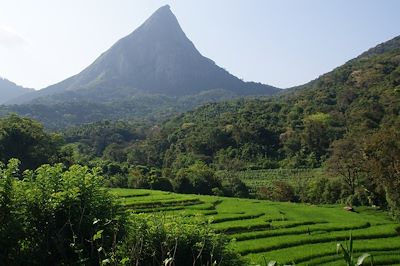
[(278, 42)]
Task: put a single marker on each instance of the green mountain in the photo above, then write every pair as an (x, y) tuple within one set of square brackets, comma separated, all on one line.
[(157, 58), (10, 90), (58, 114), (294, 129)]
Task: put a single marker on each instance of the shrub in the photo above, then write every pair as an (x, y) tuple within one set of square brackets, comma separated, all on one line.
[(117, 181), (55, 215), (182, 184), (162, 183), (278, 191), (234, 187), (160, 240)]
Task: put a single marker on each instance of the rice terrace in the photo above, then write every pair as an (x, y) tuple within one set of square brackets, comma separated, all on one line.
[(286, 232), (199, 133)]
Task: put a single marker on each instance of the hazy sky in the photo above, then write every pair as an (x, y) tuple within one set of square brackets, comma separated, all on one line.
[(282, 43)]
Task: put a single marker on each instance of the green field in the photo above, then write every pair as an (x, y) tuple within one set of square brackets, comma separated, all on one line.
[(255, 179), (286, 232)]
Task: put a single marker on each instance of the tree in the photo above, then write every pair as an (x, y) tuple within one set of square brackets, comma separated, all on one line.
[(25, 139), (317, 134), (201, 177), (382, 154), (278, 191), (346, 161), (10, 224)]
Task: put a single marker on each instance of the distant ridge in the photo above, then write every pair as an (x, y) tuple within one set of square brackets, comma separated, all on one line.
[(364, 92), (384, 47), (156, 58), (10, 90)]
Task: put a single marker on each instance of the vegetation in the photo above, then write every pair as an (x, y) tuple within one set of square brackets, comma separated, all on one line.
[(73, 109), (171, 240), (56, 216), (332, 123), (347, 251), (333, 140), (286, 232), (25, 139), (52, 214)]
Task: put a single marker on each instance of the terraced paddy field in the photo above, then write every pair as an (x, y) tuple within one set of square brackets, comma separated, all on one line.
[(285, 232), (255, 179)]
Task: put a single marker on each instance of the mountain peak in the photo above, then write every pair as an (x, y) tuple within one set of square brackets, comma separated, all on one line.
[(162, 12), (162, 23), (156, 58), (163, 8)]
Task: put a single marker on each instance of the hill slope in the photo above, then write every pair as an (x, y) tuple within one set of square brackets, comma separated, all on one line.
[(10, 90), (157, 58), (295, 129)]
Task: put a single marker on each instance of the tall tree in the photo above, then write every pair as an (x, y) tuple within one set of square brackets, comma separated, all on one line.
[(346, 161), (382, 153), (25, 139)]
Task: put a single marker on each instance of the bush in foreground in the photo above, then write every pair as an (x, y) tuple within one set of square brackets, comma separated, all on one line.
[(57, 216), (163, 240), (51, 216)]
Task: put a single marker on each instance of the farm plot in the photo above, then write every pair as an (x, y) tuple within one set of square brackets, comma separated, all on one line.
[(255, 179), (285, 232)]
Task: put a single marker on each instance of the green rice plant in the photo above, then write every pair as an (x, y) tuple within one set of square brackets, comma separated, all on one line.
[(203, 206), (275, 263), (255, 179), (320, 253), (308, 233), (348, 255), (263, 245), (244, 228), (138, 195), (387, 259), (127, 192), (297, 231), (237, 217), (160, 209), (380, 258), (211, 212), (136, 200), (161, 203), (286, 224)]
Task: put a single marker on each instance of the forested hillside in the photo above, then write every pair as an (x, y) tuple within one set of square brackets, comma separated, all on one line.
[(73, 109), (346, 122), (295, 129)]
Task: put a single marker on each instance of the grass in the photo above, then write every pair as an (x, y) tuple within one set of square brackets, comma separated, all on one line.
[(286, 232)]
